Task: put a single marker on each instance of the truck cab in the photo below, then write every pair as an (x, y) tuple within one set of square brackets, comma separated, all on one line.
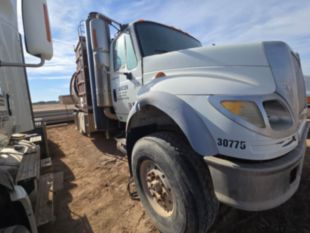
[(203, 124), (140, 40)]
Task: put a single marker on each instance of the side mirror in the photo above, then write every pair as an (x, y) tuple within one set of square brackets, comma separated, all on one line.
[(38, 37)]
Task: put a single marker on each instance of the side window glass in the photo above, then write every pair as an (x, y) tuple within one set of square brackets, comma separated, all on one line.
[(131, 56), (119, 57)]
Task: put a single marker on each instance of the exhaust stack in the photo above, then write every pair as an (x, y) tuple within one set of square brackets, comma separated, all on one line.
[(100, 42), (98, 50)]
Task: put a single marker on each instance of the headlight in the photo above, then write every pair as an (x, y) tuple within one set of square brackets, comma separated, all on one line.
[(279, 117), (246, 110)]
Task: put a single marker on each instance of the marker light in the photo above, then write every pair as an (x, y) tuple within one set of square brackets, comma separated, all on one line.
[(160, 75), (47, 24)]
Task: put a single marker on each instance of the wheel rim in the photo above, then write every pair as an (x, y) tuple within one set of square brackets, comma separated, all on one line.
[(157, 188)]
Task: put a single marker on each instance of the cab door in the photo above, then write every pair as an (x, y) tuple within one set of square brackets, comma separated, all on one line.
[(126, 75)]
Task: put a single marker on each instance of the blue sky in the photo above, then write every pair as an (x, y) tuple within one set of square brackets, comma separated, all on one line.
[(219, 22)]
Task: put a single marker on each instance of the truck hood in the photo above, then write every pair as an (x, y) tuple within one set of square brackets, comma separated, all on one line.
[(242, 69)]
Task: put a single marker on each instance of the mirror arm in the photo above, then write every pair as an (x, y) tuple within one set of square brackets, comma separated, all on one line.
[(128, 75), (12, 64)]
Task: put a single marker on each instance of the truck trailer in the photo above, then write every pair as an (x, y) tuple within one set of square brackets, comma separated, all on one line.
[(202, 125), (26, 183)]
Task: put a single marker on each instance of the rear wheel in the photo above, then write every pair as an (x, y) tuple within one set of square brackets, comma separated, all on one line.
[(174, 184)]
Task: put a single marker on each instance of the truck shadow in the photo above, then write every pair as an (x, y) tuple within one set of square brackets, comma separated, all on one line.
[(291, 217), (107, 146), (65, 219)]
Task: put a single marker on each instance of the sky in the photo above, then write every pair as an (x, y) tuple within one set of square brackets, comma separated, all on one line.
[(219, 22)]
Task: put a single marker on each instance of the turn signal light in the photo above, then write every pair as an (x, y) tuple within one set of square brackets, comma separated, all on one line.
[(246, 110)]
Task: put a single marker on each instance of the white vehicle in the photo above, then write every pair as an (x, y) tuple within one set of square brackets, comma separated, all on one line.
[(22, 185), (203, 124)]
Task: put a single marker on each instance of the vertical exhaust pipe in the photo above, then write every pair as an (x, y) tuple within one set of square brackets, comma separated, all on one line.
[(99, 33), (100, 40)]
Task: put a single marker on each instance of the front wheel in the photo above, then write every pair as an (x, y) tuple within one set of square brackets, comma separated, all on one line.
[(174, 184)]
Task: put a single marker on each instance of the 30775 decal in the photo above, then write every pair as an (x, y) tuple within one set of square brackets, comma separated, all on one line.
[(236, 144)]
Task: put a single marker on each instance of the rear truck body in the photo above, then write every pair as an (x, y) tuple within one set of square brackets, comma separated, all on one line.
[(203, 124), (25, 185)]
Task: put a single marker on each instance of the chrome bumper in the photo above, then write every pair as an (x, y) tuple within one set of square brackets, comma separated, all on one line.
[(258, 186)]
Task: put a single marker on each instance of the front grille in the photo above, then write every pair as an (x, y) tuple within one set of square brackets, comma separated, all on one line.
[(302, 97), (288, 76)]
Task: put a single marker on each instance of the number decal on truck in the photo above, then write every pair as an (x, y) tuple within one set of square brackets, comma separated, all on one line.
[(231, 143)]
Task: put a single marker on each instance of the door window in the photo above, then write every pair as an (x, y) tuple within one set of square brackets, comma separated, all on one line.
[(131, 56), (124, 54), (119, 59)]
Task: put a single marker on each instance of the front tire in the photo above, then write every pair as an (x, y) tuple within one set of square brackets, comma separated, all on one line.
[(174, 184)]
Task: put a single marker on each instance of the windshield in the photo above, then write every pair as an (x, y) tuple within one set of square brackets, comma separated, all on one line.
[(156, 38)]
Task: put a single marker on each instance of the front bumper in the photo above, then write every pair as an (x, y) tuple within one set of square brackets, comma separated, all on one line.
[(260, 185)]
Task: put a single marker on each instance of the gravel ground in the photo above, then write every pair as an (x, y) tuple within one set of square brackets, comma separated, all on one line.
[(95, 198)]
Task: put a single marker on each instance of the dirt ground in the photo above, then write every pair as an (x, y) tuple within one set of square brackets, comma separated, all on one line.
[(94, 198)]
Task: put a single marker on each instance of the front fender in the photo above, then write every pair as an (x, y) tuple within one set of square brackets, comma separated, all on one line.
[(193, 127)]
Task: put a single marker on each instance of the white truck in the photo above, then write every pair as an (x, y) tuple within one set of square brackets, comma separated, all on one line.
[(203, 124), (25, 192)]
